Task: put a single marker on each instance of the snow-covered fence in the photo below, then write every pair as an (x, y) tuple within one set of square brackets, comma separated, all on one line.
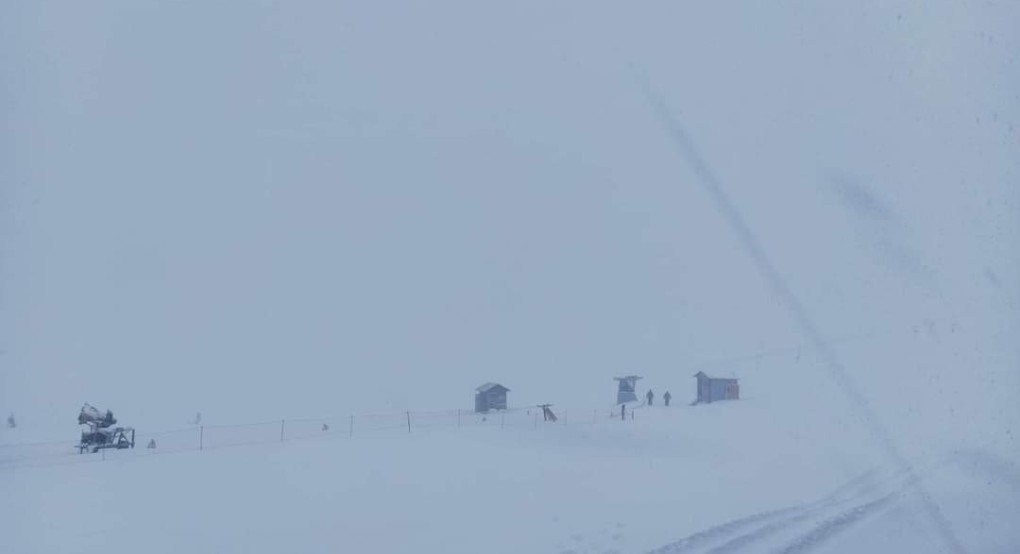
[(177, 440), (350, 427), (220, 436)]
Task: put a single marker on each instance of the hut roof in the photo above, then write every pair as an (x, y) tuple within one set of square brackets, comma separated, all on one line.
[(701, 374), (491, 386)]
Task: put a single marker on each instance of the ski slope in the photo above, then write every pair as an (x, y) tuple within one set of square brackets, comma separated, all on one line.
[(289, 214), (727, 477)]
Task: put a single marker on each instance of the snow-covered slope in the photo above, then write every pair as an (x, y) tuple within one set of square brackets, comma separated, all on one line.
[(749, 476), (264, 210)]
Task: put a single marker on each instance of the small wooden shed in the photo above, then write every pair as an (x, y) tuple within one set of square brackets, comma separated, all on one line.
[(490, 396), (711, 389), (625, 391)]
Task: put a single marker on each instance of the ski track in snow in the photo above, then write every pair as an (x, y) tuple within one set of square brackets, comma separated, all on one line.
[(731, 528), (829, 515), (748, 533), (700, 538), (835, 524), (738, 543)]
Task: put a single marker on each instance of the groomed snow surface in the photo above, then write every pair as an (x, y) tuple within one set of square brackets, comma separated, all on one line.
[(745, 476)]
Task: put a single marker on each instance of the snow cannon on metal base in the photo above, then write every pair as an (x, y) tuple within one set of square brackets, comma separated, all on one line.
[(98, 431)]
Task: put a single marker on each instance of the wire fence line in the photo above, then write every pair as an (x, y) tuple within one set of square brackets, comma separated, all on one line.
[(210, 437)]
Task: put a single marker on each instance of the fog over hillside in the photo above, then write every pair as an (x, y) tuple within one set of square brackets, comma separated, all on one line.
[(274, 209)]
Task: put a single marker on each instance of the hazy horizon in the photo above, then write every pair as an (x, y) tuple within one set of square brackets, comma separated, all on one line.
[(264, 209)]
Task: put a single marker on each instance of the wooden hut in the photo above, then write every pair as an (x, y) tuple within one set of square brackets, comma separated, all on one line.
[(711, 389), (490, 396)]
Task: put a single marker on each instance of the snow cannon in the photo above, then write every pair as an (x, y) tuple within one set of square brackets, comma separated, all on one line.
[(98, 431), (94, 418)]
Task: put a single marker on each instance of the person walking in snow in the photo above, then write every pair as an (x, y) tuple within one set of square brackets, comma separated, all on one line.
[(623, 412), (650, 396), (666, 397)]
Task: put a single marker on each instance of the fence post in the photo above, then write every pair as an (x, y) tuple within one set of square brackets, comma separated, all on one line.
[(201, 437), (408, 421), (351, 434), (282, 422)]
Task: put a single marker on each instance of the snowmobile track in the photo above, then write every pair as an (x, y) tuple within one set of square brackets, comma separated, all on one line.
[(834, 525), (748, 532), (712, 534)]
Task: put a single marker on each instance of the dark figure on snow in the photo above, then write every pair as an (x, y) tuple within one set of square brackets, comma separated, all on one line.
[(650, 396), (666, 397), (623, 412)]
